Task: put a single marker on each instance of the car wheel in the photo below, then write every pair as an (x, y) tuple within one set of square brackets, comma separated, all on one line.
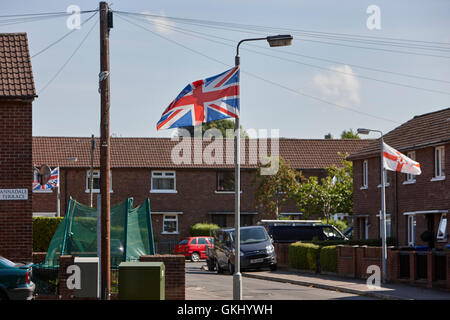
[(210, 264), (273, 267), (195, 257), (218, 268), (230, 268)]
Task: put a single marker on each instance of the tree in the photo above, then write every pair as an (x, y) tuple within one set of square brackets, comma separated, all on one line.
[(330, 195), (349, 134), (275, 190), (225, 126)]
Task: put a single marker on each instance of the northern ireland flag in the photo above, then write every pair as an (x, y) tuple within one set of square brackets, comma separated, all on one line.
[(396, 161)]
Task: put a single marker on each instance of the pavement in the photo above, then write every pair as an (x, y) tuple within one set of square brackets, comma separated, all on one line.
[(390, 291)]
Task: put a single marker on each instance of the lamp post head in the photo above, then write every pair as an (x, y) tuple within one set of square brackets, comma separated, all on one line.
[(363, 131), (280, 40)]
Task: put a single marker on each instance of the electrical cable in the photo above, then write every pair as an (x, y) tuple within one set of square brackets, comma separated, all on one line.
[(196, 34), (62, 38), (297, 92), (68, 60)]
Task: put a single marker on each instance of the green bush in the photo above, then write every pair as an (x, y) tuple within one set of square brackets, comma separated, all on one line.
[(43, 230), (328, 258), (203, 229), (304, 255)]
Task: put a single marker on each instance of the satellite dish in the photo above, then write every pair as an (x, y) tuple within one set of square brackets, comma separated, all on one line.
[(44, 174)]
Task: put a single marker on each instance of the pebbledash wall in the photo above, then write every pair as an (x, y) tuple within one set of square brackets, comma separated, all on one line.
[(16, 95)]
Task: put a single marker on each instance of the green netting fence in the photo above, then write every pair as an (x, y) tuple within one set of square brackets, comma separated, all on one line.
[(131, 236)]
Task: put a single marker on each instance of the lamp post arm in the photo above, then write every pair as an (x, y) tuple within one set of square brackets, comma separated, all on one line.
[(236, 59)]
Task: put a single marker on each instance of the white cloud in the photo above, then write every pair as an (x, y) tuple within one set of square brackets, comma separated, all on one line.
[(161, 23), (339, 84)]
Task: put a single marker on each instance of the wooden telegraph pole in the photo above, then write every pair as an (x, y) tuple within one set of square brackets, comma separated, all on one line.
[(105, 165)]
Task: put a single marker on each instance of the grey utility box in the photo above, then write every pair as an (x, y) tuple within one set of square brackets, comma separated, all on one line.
[(142, 281), (90, 277)]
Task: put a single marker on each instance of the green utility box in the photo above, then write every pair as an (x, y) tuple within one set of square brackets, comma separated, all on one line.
[(142, 281)]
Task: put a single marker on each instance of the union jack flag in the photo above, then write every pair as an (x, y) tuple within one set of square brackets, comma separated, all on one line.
[(52, 182), (213, 98)]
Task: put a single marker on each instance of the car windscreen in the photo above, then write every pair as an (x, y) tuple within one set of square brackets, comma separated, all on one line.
[(184, 241), (332, 234), (252, 235), (6, 262)]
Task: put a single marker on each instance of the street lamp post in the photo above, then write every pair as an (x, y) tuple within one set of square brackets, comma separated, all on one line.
[(383, 201), (274, 41)]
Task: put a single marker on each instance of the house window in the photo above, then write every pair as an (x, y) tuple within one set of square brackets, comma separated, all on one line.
[(364, 228), (95, 181), (388, 226), (439, 155), (246, 220), (225, 181), (163, 181), (365, 174), (442, 229), (170, 223), (219, 219), (411, 177), (411, 230)]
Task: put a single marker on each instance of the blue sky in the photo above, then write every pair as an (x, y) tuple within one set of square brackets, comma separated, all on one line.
[(147, 72)]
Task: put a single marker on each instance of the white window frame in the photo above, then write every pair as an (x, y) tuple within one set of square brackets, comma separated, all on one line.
[(410, 178), (167, 175), (173, 217), (412, 230), (365, 175), (364, 223), (439, 163), (386, 182), (96, 173), (388, 225)]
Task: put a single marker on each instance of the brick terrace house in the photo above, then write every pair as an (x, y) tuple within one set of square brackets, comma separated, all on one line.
[(17, 93), (181, 194), (414, 204)]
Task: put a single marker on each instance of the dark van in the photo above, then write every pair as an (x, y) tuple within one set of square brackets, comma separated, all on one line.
[(304, 232), (256, 247)]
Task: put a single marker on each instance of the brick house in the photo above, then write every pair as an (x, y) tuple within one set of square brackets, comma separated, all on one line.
[(17, 93), (181, 194), (414, 204)]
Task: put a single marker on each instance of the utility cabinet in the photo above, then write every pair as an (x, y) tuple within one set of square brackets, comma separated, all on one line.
[(142, 281), (89, 277)]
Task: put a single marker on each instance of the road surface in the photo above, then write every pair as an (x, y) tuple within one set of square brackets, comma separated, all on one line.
[(207, 285)]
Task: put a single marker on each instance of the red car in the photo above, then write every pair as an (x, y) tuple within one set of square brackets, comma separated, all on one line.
[(194, 247)]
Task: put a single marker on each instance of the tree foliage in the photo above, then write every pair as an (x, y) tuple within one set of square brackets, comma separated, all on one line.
[(225, 126), (273, 191), (349, 134), (329, 195)]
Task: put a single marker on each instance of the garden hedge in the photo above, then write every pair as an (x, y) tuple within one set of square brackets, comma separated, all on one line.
[(328, 258), (304, 255), (203, 229), (43, 230)]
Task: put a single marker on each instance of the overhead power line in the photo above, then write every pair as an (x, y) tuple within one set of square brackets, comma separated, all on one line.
[(386, 41), (62, 38), (68, 59), (297, 92), (208, 38)]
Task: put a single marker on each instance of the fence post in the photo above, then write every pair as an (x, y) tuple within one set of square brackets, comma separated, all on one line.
[(430, 269), (412, 267)]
